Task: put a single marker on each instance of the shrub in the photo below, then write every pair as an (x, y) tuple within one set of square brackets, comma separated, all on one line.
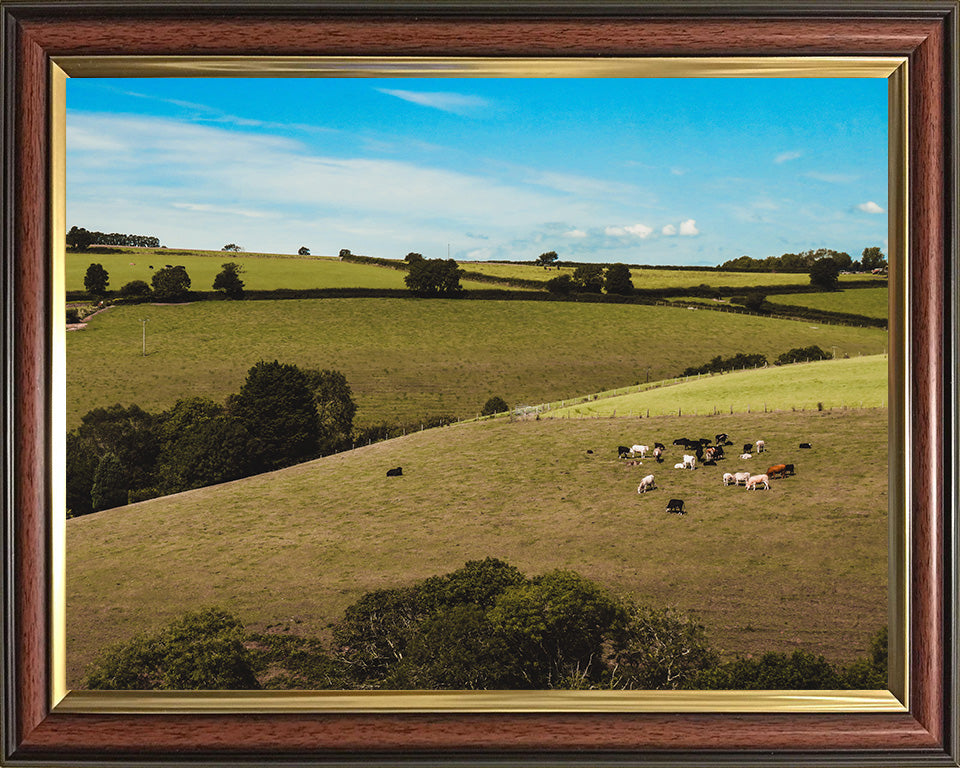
[(494, 405), (73, 315), (171, 283), (228, 280), (135, 288), (561, 285)]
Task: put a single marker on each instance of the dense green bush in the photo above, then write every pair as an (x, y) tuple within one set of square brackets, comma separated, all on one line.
[(135, 288), (494, 405)]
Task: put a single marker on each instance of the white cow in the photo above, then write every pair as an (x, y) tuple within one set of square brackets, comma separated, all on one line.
[(746, 455), (761, 446), (741, 477), (646, 484), (729, 479), (690, 461), (678, 466), (640, 449), (756, 480)]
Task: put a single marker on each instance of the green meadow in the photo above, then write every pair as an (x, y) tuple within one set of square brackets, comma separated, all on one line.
[(870, 302), (858, 382), (801, 566), (407, 359)]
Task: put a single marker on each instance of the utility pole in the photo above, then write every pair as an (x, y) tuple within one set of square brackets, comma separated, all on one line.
[(144, 321)]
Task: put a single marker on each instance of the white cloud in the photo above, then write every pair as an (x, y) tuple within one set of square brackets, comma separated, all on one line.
[(576, 233), (447, 101), (832, 178), (689, 228), (221, 210), (870, 207), (785, 157), (638, 230), (669, 229)]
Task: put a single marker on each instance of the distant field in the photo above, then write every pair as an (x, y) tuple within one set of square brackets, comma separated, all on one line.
[(871, 302), (802, 566), (857, 382), (411, 358), (260, 271), (656, 278)]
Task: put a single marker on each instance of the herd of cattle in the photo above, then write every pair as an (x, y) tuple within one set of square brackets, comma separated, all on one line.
[(706, 452)]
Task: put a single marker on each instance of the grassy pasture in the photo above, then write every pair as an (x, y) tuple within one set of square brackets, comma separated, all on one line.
[(656, 278), (803, 565), (857, 382), (260, 271), (409, 358), (870, 302)]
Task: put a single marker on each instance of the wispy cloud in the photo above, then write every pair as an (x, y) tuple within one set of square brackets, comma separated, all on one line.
[(637, 230), (785, 157), (870, 207), (447, 101), (669, 230), (832, 178)]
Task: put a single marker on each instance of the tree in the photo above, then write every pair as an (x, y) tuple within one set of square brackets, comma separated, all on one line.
[(413, 258), (135, 288), (546, 259), (81, 467), (109, 484), (434, 277), (200, 650), (617, 280), (96, 279), (494, 405), (231, 247), (171, 283), (802, 355), (589, 278), (335, 409), (278, 410), (561, 285), (304, 251), (228, 280), (78, 239), (870, 673), (872, 258), (825, 274)]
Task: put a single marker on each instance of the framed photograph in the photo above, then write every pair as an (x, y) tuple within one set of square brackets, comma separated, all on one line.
[(908, 51)]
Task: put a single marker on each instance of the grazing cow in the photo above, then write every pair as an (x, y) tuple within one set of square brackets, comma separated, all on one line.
[(690, 461), (721, 438), (729, 479), (747, 447), (718, 452), (661, 446), (589, 451), (789, 470), (678, 466), (746, 455), (756, 480), (622, 451), (641, 449), (646, 484), (741, 477), (761, 446), (709, 453), (675, 506), (804, 445), (658, 454), (395, 472), (777, 470), (705, 441)]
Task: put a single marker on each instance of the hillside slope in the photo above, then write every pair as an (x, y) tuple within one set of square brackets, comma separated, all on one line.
[(800, 566)]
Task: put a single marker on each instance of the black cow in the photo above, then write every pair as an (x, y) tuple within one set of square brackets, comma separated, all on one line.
[(622, 451), (720, 438), (747, 447), (661, 446), (705, 441), (804, 445), (675, 506), (789, 470), (718, 452), (395, 472)]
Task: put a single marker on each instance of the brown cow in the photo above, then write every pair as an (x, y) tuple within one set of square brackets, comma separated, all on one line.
[(777, 470)]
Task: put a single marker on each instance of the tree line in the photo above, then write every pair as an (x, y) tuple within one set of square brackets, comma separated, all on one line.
[(169, 283), (483, 626), (720, 364), (871, 258), (281, 416), (79, 239)]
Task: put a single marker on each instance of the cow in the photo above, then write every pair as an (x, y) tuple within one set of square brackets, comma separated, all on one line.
[(729, 479), (789, 470), (777, 470), (741, 477), (646, 484), (395, 472), (678, 466), (761, 446), (675, 506), (747, 447), (690, 461), (746, 455), (804, 445), (721, 438), (658, 454), (641, 449), (661, 446), (756, 480), (718, 452), (623, 451)]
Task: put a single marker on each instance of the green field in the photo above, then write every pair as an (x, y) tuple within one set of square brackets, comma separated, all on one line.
[(870, 302), (658, 278), (261, 272), (803, 565), (855, 383), (411, 358)]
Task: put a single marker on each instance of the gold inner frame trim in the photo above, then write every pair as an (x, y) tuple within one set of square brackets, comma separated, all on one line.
[(895, 700)]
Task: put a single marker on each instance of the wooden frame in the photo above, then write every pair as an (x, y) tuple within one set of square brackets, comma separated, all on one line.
[(35, 34)]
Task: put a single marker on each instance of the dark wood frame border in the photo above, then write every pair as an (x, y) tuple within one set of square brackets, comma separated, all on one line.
[(925, 31)]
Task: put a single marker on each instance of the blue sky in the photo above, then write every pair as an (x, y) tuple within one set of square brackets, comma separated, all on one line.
[(641, 171)]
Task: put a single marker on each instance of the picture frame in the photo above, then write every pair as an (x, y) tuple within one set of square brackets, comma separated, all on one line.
[(40, 728)]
